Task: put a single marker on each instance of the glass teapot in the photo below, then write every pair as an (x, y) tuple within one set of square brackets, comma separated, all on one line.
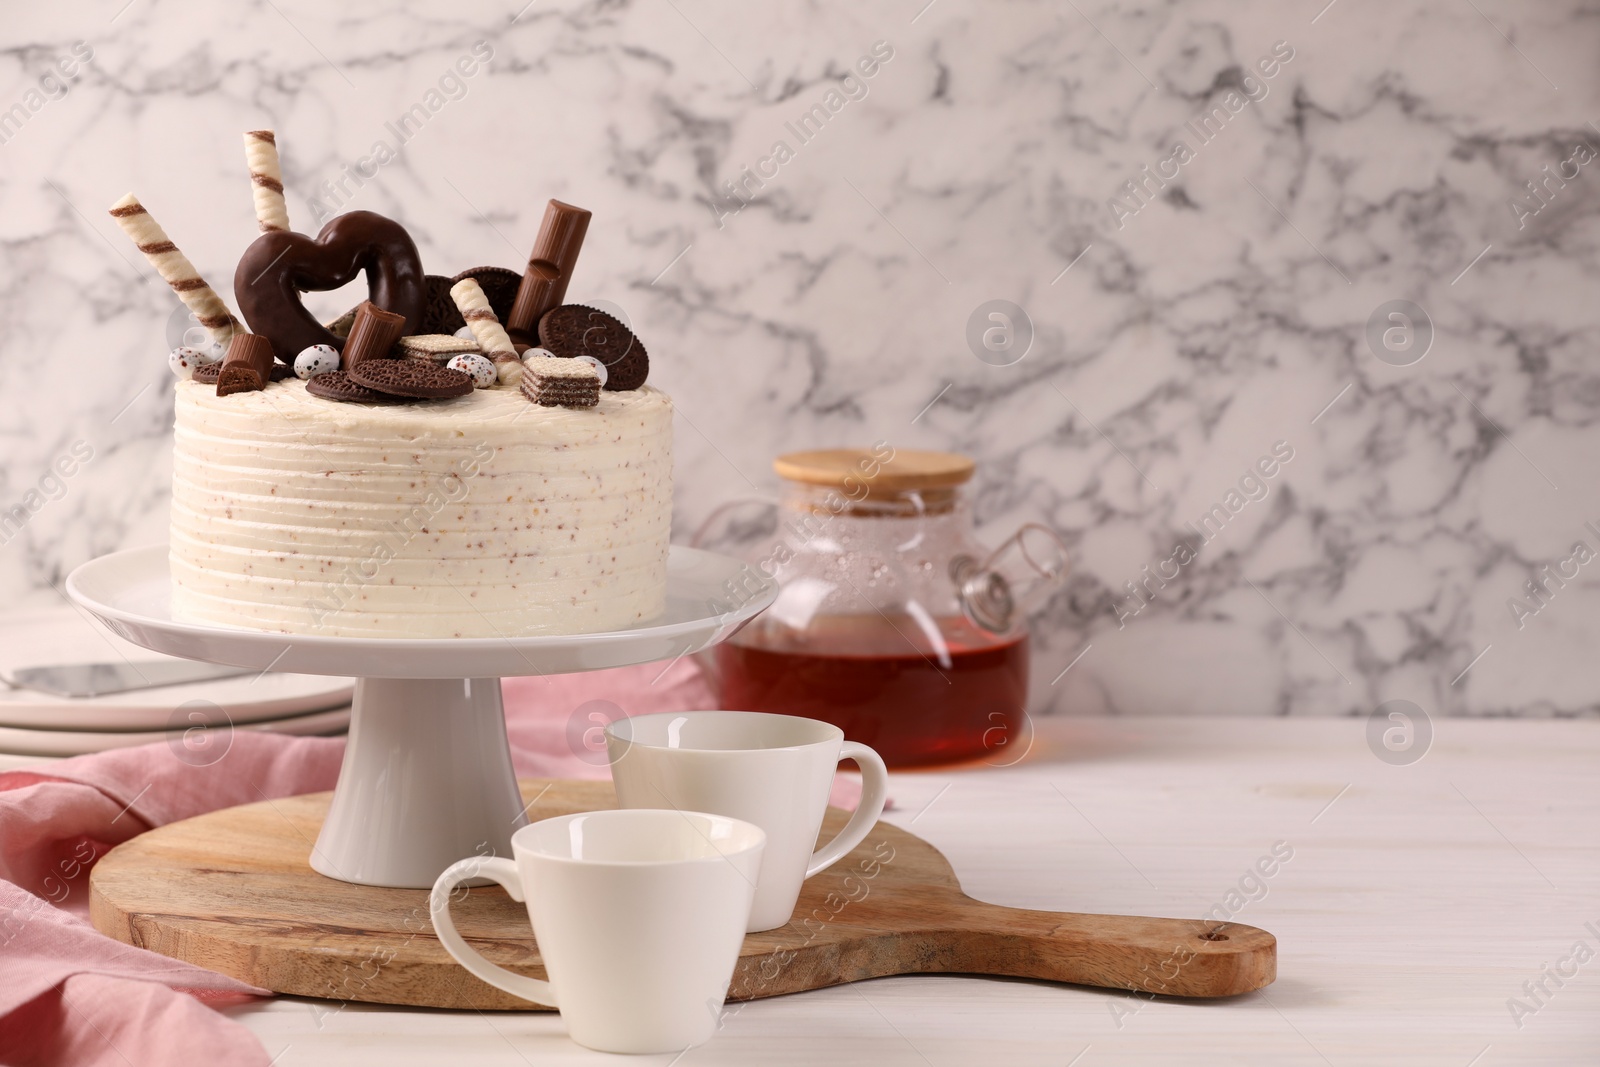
[(891, 621)]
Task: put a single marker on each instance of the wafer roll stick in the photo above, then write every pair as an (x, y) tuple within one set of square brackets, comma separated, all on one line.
[(266, 180), (486, 329), (175, 268)]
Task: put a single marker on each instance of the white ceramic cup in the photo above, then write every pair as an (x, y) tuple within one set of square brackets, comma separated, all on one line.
[(639, 916), (772, 770)]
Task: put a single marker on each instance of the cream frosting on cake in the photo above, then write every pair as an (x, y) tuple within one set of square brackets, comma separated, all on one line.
[(479, 516)]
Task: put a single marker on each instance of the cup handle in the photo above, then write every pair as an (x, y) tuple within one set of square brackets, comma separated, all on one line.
[(505, 872), (874, 792)]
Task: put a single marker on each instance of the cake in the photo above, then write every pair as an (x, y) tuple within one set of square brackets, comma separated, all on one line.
[(395, 474), (479, 516)]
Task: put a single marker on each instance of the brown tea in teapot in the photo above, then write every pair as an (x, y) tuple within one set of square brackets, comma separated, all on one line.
[(891, 621)]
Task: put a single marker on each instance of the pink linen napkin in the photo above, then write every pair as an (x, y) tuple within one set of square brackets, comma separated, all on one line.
[(69, 994), (72, 995)]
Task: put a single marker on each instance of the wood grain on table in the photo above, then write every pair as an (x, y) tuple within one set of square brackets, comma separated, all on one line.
[(1416, 902)]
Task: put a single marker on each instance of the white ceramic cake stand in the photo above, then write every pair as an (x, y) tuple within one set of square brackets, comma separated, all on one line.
[(427, 777)]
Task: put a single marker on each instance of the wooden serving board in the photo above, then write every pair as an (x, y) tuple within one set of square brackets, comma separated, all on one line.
[(233, 891)]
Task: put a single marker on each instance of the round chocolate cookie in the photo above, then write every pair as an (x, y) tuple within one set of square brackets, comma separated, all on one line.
[(574, 330), (439, 311), (499, 287), (410, 378), (336, 385)]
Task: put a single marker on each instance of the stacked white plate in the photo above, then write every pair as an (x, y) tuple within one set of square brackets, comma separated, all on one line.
[(36, 725)]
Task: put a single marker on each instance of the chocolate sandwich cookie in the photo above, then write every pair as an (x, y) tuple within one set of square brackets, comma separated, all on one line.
[(410, 378), (336, 385), (439, 314), (574, 330)]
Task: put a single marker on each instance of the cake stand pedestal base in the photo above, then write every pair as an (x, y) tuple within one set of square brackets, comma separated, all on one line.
[(427, 777), (426, 780)]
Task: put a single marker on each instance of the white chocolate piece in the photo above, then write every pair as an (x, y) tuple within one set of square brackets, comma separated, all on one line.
[(266, 180), (466, 333), (486, 328), (175, 268), (314, 360), (482, 370)]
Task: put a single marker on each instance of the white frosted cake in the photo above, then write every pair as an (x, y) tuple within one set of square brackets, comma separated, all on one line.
[(454, 457), (482, 515)]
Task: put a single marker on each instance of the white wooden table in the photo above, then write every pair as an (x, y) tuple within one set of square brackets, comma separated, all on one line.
[(1418, 900)]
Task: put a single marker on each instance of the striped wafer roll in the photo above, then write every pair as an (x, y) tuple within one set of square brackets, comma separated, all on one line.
[(486, 329), (266, 180), (175, 268)]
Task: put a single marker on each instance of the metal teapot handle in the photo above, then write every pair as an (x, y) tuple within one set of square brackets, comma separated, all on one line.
[(1014, 578)]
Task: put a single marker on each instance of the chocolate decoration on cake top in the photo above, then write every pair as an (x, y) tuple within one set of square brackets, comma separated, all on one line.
[(336, 385), (574, 330), (499, 285), (248, 365), (569, 383), (544, 283), (373, 334), (279, 266), (410, 378), (439, 314), (494, 312)]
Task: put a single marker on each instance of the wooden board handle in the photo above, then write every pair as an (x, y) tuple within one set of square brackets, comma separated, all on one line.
[(1172, 957)]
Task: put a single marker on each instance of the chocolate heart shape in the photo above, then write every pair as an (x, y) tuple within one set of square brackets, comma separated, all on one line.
[(279, 266)]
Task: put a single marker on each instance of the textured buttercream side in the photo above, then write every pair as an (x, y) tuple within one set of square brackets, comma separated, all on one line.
[(480, 516)]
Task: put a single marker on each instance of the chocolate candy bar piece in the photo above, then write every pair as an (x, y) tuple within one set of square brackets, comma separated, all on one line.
[(555, 254), (248, 365), (373, 333)]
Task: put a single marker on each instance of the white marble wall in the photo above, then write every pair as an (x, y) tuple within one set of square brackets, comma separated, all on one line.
[(1195, 329)]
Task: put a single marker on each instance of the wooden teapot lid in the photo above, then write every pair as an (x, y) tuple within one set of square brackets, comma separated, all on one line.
[(904, 470)]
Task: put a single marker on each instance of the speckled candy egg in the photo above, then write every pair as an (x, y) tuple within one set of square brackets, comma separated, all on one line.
[(315, 360), (211, 352), (482, 370), (184, 361)]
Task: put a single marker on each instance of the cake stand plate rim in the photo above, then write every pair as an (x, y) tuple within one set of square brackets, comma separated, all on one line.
[(104, 586)]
